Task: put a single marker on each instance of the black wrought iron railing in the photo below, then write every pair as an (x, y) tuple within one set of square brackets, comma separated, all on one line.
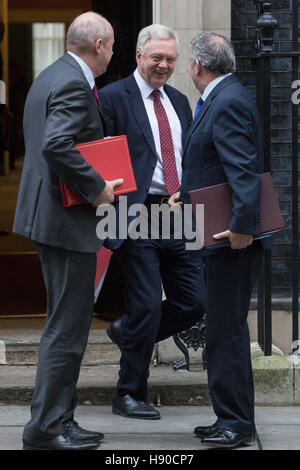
[(266, 24)]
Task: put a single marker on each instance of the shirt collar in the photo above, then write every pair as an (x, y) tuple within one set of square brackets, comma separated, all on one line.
[(85, 68), (212, 85), (144, 87)]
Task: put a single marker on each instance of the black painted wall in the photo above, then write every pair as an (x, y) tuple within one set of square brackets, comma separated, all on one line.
[(244, 17)]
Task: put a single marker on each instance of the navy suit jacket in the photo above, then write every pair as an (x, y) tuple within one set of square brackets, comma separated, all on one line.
[(224, 145), (125, 113)]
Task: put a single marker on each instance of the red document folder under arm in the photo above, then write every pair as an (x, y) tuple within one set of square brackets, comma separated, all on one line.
[(103, 259), (217, 202), (111, 159)]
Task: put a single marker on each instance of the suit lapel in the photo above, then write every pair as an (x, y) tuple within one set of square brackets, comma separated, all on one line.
[(139, 111)]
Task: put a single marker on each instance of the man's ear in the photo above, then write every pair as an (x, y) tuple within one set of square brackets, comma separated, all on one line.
[(138, 56), (98, 45), (198, 67)]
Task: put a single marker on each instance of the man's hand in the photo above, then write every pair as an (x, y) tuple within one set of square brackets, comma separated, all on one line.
[(107, 195), (237, 240), (174, 199)]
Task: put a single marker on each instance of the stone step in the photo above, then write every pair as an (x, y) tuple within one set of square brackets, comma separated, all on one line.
[(20, 342), (277, 383), (23, 348), (97, 385), (276, 379)]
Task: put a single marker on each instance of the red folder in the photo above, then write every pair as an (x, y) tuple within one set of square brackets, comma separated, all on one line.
[(111, 159), (217, 202), (103, 260)]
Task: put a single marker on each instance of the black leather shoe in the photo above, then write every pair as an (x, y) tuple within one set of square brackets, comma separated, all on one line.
[(225, 438), (79, 434), (62, 442), (206, 431), (130, 408), (114, 331)]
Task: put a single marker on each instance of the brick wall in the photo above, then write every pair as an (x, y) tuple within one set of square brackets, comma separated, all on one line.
[(244, 17)]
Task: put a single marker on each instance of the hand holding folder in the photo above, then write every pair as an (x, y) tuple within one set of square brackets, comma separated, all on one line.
[(237, 241), (107, 195), (217, 201)]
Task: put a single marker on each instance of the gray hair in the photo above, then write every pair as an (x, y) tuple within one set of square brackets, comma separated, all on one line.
[(155, 31), (214, 52), (85, 30)]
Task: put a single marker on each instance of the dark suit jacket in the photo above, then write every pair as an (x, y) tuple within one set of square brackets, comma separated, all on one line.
[(60, 111), (224, 145), (125, 113)]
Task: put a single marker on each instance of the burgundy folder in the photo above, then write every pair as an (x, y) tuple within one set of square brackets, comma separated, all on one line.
[(218, 213)]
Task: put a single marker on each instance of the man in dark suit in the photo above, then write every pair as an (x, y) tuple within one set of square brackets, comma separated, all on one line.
[(155, 117), (60, 112), (223, 145)]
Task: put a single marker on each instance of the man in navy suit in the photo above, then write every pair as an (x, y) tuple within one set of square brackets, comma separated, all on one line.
[(223, 145), (155, 117)]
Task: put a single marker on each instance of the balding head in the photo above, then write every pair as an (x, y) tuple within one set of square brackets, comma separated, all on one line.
[(85, 30), (214, 52), (91, 37)]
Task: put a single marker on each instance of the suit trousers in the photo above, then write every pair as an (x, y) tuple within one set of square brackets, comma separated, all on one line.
[(230, 277), (69, 280), (147, 265)]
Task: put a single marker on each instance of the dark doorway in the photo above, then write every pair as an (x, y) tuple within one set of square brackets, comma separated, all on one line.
[(20, 80), (127, 19)]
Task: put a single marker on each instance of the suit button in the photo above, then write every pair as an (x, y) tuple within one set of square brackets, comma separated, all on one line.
[(153, 166)]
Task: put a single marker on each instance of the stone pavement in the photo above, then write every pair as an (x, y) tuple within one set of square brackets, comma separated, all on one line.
[(278, 428)]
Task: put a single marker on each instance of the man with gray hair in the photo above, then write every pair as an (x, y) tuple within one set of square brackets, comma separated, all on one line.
[(61, 111), (223, 145), (155, 117)]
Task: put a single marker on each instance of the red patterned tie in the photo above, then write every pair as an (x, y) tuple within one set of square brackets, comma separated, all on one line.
[(166, 145), (95, 93)]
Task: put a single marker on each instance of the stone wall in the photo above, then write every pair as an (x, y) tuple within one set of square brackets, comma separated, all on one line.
[(189, 18)]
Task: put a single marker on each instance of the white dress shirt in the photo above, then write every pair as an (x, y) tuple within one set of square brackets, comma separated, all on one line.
[(158, 181), (85, 68)]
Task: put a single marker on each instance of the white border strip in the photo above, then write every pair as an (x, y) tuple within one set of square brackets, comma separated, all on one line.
[(2, 352), (156, 11), (2, 92)]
